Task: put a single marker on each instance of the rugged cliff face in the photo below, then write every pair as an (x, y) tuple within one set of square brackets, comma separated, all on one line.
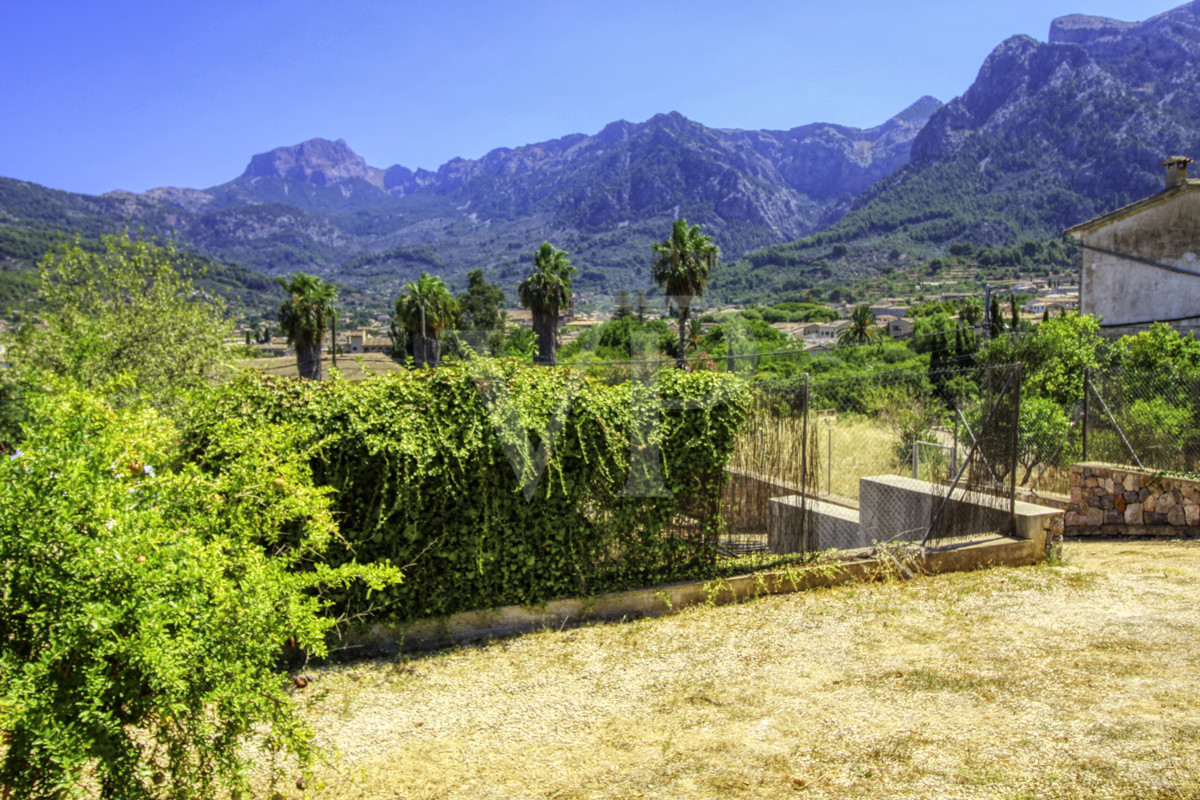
[(1088, 116), (319, 206), (782, 184)]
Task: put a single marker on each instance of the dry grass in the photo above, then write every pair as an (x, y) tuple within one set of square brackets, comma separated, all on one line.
[(853, 447), (1075, 681), (849, 448), (353, 367)]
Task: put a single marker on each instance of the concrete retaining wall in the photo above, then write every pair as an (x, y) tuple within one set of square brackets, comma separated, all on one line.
[(660, 601)]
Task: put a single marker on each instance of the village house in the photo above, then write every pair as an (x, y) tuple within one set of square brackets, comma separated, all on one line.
[(363, 342), (1056, 303), (900, 328), (1141, 263), (830, 330)]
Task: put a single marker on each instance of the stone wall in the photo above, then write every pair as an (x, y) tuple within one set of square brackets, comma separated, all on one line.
[(1110, 499)]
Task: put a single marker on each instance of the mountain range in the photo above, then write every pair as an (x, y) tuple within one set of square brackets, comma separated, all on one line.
[(1049, 134)]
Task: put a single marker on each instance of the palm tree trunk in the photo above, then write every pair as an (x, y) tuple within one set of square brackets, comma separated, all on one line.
[(681, 359), (545, 325), (427, 351), (308, 359)]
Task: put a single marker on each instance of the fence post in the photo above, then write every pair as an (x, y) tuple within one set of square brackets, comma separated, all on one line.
[(1013, 459), (805, 517), (1086, 382), (804, 440), (954, 452)]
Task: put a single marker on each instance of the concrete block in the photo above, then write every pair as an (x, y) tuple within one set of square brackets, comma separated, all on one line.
[(829, 526), (895, 507)]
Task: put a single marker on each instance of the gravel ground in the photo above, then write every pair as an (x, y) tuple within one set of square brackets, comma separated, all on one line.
[(1072, 681)]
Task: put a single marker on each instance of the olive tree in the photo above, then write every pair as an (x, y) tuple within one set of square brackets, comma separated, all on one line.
[(126, 318)]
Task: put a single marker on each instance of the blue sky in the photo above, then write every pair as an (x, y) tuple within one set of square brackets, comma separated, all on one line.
[(98, 95)]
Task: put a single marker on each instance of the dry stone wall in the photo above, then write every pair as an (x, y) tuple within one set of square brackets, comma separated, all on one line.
[(1109, 499)]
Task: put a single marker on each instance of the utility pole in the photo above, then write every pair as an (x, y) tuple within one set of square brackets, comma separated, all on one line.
[(987, 310)]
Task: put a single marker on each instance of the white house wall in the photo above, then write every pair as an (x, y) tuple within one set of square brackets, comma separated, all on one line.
[(1124, 292)]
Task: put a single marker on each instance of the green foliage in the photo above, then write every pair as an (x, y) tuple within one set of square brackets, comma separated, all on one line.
[(1054, 357), (926, 328), (1159, 352), (1159, 429), (482, 306), (861, 330), (1043, 429), (910, 423), (622, 338), (145, 602), (304, 317), (126, 312), (798, 312), (545, 292), (682, 266), (499, 483), (427, 307)]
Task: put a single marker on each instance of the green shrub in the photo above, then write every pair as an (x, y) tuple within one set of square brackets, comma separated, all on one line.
[(145, 602), (499, 483)]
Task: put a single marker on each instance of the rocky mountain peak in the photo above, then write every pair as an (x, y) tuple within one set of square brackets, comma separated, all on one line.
[(317, 161), (1083, 29), (920, 111)]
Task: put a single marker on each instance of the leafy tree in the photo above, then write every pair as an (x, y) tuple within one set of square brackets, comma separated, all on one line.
[(425, 309), (862, 328), (126, 311), (482, 306), (622, 306), (995, 321), (926, 329), (1053, 357), (695, 333), (639, 306), (971, 312), (682, 266), (145, 602), (545, 292), (303, 318), (621, 339)]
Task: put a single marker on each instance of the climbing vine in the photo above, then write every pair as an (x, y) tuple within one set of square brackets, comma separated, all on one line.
[(496, 483)]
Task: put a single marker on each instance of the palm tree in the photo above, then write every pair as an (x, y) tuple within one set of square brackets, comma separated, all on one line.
[(695, 334), (303, 318), (545, 291), (425, 309), (682, 266), (861, 329)]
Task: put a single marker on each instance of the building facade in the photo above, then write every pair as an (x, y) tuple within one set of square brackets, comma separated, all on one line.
[(1141, 263)]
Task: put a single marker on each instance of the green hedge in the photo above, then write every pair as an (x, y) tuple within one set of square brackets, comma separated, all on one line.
[(440, 471)]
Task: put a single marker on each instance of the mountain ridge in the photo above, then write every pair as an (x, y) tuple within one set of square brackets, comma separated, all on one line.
[(1048, 134)]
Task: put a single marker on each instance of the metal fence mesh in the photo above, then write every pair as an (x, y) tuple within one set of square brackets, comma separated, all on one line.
[(904, 455), (1148, 420)]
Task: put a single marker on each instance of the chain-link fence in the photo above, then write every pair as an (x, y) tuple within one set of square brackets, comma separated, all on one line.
[(905, 455), (1122, 416)]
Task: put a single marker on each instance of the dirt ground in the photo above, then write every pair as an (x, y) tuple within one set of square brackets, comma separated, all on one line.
[(1078, 680)]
